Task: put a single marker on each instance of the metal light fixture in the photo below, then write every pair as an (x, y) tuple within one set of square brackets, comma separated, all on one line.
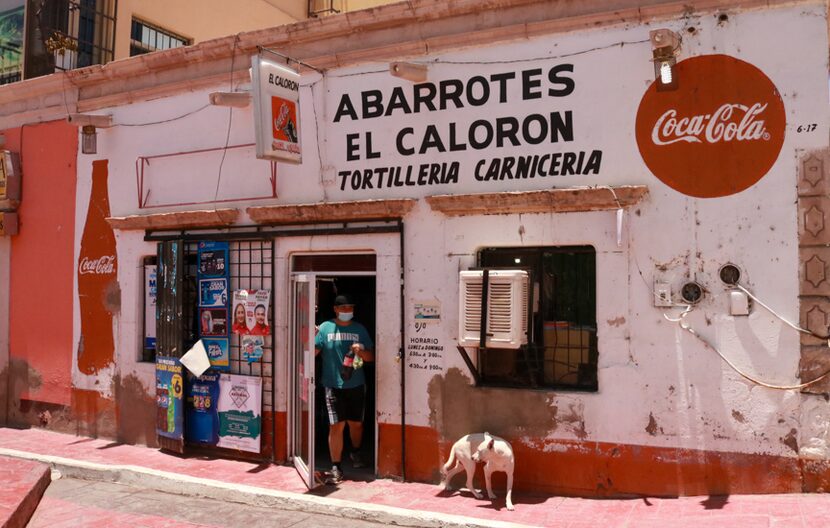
[(232, 99), (665, 44), (89, 140), (89, 124), (410, 71)]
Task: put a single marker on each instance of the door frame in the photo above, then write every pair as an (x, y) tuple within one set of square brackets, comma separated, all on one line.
[(297, 353), (313, 277)]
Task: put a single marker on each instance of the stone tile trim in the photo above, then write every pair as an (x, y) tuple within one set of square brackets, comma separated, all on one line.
[(814, 265)]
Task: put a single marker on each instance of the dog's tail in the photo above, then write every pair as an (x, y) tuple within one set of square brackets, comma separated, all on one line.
[(450, 463)]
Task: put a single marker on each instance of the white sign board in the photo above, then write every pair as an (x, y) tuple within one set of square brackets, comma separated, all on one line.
[(240, 415), (276, 95)]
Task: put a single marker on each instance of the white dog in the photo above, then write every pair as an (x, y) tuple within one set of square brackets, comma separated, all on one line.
[(496, 454)]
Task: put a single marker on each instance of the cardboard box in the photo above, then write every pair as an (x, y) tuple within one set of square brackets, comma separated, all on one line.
[(566, 347)]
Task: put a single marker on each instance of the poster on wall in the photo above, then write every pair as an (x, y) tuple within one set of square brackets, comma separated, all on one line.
[(213, 279), (427, 311), (213, 259), (213, 292), (218, 352), (150, 293), (213, 322), (250, 312), (240, 415), (202, 416), (169, 392), (252, 348)]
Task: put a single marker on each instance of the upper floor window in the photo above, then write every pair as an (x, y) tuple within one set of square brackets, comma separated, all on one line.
[(561, 349), (145, 37)]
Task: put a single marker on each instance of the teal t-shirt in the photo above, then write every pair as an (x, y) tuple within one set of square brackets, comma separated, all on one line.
[(334, 341)]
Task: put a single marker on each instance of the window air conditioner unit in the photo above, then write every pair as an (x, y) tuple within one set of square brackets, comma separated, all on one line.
[(507, 308)]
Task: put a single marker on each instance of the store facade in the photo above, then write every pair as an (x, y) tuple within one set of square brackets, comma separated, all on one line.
[(604, 210)]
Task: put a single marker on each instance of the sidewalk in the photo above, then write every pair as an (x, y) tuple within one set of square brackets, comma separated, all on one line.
[(23, 484), (388, 502)]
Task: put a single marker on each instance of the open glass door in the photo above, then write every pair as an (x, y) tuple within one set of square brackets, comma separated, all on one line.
[(301, 367)]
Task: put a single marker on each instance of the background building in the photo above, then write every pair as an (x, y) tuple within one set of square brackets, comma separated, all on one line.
[(38, 37)]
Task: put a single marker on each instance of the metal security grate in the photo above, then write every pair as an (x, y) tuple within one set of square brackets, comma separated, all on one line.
[(562, 350), (251, 268), (252, 264), (146, 38)]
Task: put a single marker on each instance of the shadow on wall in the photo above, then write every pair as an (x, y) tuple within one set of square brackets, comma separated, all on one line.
[(458, 408), (129, 419)]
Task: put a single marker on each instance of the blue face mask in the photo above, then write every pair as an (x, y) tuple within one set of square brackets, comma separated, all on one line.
[(345, 316)]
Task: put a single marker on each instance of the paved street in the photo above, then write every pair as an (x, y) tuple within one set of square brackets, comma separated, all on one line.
[(78, 503)]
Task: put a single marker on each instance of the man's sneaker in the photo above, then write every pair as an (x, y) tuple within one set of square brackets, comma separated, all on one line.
[(357, 460), (335, 477)]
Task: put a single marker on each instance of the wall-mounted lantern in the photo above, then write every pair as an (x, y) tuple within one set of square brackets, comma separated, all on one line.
[(665, 45), (89, 124)]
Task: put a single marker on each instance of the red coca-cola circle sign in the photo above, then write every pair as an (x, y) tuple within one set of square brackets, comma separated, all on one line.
[(718, 133)]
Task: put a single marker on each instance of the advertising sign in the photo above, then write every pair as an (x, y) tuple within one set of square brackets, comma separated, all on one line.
[(213, 259), (250, 312), (240, 415), (276, 95), (213, 322), (718, 133), (252, 348), (213, 292), (169, 392), (150, 293), (213, 296), (202, 416), (217, 352)]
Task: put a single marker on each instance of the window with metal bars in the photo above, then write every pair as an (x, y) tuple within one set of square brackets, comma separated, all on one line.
[(68, 34), (562, 338), (146, 37)]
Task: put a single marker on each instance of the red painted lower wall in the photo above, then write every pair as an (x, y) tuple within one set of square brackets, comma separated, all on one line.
[(42, 262), (599, 469)]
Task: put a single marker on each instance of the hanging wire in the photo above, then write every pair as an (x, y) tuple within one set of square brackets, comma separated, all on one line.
[(230, 122), (680, 320), (782, 318), (170, 120)]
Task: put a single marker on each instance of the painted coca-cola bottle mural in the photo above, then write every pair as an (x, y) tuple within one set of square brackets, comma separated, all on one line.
[(97, 280)]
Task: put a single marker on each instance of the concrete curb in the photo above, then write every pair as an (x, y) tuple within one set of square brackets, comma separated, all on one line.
[(22, 512), (244, 494)]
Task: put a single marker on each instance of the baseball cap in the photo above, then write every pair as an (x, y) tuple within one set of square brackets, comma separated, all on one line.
[(343, 300)]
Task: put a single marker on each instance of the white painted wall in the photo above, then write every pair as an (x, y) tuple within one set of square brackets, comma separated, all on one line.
[(647, 365)]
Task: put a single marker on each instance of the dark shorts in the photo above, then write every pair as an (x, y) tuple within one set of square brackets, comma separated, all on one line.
[(345, 404)]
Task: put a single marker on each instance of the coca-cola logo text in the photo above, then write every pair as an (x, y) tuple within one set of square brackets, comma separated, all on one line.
[(718, 134), (101, 266), (712, 128)]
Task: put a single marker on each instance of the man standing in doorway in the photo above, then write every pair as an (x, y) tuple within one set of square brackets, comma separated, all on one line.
[(345, 344)]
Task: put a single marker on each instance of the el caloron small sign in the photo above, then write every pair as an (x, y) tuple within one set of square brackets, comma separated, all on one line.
[(276, 95)]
